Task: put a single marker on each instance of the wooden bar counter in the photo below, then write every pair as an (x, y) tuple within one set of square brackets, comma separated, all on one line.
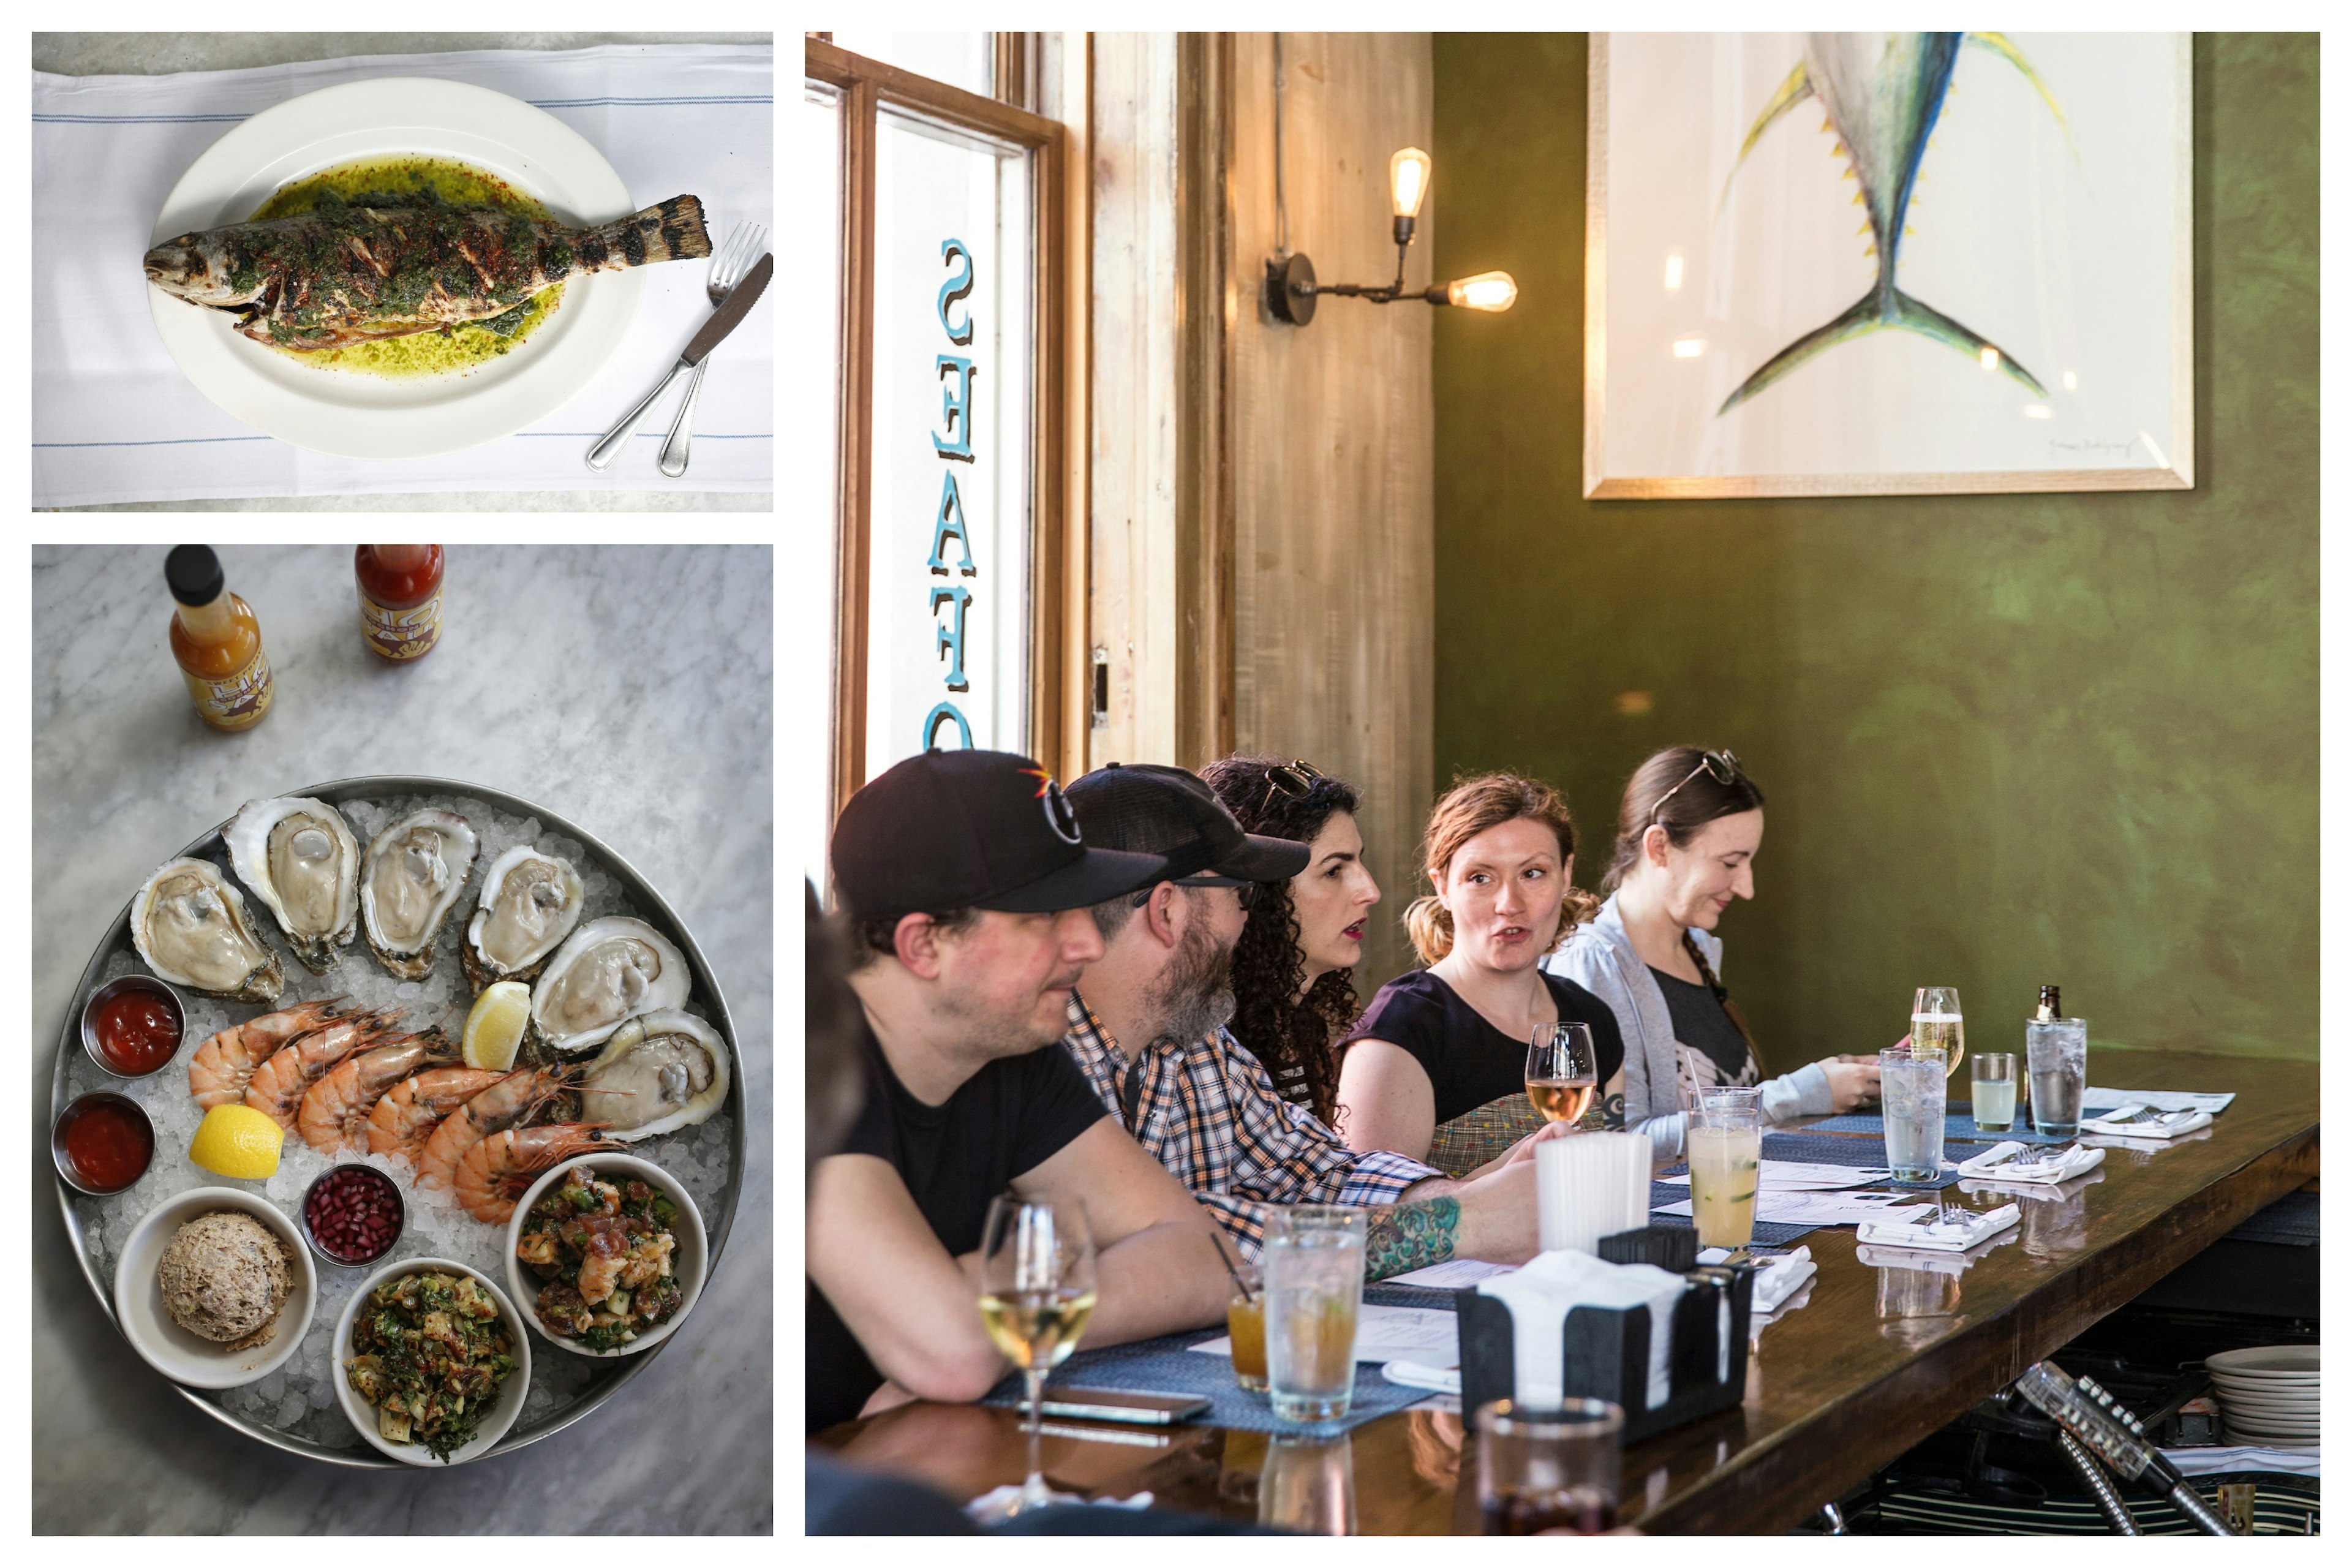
[(1874, 1360)]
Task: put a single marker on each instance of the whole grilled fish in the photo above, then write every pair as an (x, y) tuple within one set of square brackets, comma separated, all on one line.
[(1882, 93), (344, 274)]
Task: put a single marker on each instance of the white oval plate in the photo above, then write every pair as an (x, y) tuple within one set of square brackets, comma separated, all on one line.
[(172, 1350), (350, 416), (690, 1262), (512, 1392)]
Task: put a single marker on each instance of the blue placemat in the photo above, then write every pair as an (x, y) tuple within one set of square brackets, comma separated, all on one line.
[(1165, 1367), (1959, 1127), (1394, 1295)]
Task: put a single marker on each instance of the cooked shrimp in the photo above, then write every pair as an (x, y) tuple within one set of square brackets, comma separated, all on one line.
[(222, 1066), (279, 1082), (492, 1110), (600, 1260), (410, 1109), (335, 1109), (495, 1170)]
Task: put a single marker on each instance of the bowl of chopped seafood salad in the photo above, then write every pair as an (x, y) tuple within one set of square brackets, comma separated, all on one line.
[(606, 1256), (432, 1361), (452, 140)]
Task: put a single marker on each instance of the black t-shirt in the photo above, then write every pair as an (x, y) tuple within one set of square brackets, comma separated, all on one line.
[(1469, 1061), (1007, 1119), (1701, 1022)]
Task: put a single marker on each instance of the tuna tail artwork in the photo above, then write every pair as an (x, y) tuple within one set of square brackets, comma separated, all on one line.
[(1882, 93)]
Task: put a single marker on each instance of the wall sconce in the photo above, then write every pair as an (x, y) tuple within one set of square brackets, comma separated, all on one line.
[(1291, 290)]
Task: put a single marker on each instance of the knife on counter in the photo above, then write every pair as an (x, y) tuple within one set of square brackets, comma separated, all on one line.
[(722, 321)]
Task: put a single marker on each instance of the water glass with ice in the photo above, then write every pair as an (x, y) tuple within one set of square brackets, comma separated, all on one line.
[(1911, 1091), (1313, 1267), (2057, 1060)]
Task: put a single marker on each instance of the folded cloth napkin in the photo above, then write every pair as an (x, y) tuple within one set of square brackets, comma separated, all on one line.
[(2013, 1162), (1541, 1295), (1414, 1374), (1961, 1231), (117, 420), (2172, 1124), (1780, 1279), (985, 1505)]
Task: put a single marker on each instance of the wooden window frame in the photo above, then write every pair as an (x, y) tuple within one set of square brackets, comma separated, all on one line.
[(865, 85)]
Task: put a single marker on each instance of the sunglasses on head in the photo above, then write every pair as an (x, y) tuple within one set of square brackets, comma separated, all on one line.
[(1721, 766), (1294, 779), (1245, 891)]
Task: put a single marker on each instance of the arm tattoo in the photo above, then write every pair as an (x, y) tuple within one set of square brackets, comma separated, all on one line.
[(1407, 1236)]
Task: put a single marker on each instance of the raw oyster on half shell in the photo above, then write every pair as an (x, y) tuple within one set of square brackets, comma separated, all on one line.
[(609, 969), (530, 903), (657, 1072), (414, 871), (298, 857), (190, 926)]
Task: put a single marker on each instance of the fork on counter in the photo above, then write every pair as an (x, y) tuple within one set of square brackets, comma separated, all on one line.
[(726, 269)]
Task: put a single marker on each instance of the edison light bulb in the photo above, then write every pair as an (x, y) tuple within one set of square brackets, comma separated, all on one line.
[(1487, 291), (1408, 181)]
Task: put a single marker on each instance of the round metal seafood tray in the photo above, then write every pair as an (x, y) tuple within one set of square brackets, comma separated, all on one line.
[(610, 1376)]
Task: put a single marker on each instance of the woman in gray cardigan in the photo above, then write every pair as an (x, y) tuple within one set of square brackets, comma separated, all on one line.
[(1687, 832)]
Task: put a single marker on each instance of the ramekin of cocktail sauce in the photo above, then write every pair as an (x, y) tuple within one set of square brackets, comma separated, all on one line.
[(133, 1026), (102, 1142)]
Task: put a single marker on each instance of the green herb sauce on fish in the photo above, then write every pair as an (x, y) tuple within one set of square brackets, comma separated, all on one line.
[(370, 261)]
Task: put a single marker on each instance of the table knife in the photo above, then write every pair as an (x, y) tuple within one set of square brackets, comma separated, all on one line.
[(722, 321)]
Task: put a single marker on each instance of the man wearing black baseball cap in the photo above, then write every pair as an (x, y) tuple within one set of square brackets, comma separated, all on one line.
[(966, 883), (1148, 1033)]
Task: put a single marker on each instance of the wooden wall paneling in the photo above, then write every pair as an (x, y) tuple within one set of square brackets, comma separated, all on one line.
[(1205, 488), (1331, 445), (1065, 66)]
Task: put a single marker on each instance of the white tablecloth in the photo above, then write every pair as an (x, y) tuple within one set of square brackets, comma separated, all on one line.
[(114, 419)]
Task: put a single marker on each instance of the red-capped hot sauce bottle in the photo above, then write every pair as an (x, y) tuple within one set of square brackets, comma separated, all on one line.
[(217, 641), (399, 599)]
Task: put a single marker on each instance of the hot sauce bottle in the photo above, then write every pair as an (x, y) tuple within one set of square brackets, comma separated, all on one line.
[(399, 599), (217, 641)]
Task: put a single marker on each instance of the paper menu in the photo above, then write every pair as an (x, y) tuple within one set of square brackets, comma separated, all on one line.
[(1427, 1335), (1781, 1207), (1798, 1176), (1455, 1274), (2160, 1098)]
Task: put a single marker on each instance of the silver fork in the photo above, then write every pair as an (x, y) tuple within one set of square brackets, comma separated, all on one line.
[(726, 269)]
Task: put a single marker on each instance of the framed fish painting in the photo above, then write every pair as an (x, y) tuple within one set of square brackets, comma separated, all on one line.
[(1887, 264)]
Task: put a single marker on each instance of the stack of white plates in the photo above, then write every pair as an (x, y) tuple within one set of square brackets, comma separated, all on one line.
[(2269, 1395)]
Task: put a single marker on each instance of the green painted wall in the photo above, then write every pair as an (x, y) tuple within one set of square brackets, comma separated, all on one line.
[(2007, 739)]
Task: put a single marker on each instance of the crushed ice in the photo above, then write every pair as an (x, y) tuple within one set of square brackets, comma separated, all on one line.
[(299, 1397)]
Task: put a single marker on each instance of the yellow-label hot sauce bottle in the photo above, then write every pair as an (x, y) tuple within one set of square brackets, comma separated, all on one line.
[(217, 641)]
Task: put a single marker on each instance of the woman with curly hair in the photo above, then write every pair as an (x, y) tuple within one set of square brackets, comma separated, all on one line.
[(1293, 976)]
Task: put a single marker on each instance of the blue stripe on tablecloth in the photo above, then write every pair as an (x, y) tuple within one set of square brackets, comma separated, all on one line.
[(564, 435), (534, 103), (1165, 1367)]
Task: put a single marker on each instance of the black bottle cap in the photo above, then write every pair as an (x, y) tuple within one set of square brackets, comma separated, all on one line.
[(195, 573)]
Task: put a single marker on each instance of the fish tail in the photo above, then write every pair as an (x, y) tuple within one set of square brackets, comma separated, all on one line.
[(668, 231), (1877, 309)]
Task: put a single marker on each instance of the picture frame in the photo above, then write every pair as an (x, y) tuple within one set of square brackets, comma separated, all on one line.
[(1744, 336)]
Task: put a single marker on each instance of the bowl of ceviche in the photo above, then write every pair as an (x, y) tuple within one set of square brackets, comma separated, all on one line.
[(606, 1254), (409, 1334)]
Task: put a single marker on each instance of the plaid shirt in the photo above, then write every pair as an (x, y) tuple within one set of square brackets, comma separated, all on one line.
[(1208, 1112)]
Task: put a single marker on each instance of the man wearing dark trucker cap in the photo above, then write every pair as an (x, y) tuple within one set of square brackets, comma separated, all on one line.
[(1192, 1095), (966, 885)]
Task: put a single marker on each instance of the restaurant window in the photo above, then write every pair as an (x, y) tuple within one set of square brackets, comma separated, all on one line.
[(945, 502)]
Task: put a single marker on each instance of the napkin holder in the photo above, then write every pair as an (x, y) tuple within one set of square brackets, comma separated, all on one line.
[(1606, 1351)]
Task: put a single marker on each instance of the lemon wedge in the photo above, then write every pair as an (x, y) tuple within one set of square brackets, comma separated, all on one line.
[(238, 1142), (495, 1025)]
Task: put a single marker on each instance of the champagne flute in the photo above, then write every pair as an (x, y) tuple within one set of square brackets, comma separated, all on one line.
[(1037, 1292), (1936, 1027), (1563, 1071)]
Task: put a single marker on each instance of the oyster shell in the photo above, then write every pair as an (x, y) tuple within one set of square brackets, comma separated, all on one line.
[(190, 924), (657, 1072), (416, 868), (530, 903), (609, 969), (299, 857)]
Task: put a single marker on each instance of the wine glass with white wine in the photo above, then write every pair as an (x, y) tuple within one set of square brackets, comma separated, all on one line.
[(1037, 1292), (1936, 1027), (1563, 1071)]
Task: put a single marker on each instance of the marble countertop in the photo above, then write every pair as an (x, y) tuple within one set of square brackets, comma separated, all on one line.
[(157, 54), (628, 688)]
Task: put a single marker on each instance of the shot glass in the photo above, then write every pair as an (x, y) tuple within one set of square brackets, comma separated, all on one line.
[(1548, 1469), (1992, 1086)]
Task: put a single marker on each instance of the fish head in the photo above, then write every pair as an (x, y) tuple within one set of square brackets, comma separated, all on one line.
[(197, 268)]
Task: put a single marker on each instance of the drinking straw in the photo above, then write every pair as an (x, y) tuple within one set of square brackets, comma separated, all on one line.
[(1247, 1294)]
